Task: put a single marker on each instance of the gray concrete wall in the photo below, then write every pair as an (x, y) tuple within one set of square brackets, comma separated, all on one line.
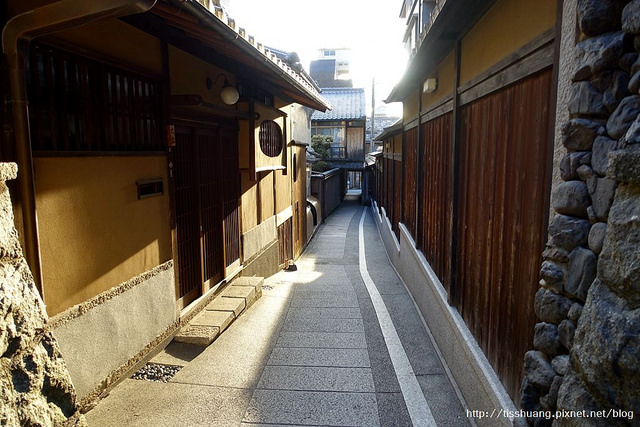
[(264, 264), (476, 379), (259, 238), (102, 338)]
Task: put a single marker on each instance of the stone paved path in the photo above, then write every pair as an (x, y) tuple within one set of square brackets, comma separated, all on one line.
[(310, 352)]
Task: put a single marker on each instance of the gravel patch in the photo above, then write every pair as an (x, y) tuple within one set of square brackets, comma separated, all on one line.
[(156, 372)]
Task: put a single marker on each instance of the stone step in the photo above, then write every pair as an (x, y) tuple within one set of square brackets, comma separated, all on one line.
[(235, 298)]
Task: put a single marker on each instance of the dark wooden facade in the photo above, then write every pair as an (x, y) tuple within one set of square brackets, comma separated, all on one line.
[(207, 227), (487, 256)]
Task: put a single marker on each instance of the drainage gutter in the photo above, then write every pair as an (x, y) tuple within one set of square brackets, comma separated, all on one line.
[(16, 35)]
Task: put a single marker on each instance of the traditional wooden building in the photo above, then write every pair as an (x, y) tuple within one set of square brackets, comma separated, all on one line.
[(463, 184), (157, 160)]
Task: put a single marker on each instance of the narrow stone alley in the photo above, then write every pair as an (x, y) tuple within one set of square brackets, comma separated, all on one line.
[(337, 342)]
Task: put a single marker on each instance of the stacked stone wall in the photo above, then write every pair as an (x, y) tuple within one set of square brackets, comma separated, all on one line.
[(587, 342), (35, 387)]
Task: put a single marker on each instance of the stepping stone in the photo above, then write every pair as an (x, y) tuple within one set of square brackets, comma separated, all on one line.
[(236, 305), (197, 335)]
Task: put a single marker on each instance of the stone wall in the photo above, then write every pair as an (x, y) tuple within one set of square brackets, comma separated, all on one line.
[(35, 387), (587, 343)]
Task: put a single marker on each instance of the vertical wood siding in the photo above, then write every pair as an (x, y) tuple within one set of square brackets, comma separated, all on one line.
[(501, 226), (435, 213), (409, 168), (230, 194), (396, 197), (207, 189), (187, 217), (285, 243)]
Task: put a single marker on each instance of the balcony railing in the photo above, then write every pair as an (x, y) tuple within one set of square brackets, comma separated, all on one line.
[(338, 153)]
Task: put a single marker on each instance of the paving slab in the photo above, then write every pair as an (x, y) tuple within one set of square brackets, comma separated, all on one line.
[(238, 356), (299, 301), (392, 409), (322, 340), (219, 319), (201, 335), (253, 281), (309, 352), (246, 292), (301, 324), (441, 397), (142, 403), (313, 408), (324, 293), (335, 357), (325, 313), (317, 378), (236, 305)]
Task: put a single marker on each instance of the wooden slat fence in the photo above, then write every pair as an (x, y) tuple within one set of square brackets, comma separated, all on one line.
[(501, 227), (435, 213), (409, 168), (502, 199)]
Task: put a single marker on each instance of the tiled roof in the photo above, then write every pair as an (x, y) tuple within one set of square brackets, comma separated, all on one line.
[(347, 104), (211, 11)]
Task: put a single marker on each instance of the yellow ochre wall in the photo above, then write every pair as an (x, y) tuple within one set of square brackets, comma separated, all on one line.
[(109, 36), (94, 232), (445, 75), (506, 27), (189, 75), (410, 106)]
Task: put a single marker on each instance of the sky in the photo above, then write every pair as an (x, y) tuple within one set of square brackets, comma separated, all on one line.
[(372, 30)]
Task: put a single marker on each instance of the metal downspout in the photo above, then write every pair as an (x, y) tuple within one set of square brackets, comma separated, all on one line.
[(16, 35)]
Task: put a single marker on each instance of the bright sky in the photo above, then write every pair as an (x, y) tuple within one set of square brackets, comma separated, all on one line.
[(372, 30)]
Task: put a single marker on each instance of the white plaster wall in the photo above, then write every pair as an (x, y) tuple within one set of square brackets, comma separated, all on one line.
[(110, 333)]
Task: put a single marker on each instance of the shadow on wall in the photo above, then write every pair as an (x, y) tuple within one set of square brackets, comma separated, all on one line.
[(30, 353), (94, 232)]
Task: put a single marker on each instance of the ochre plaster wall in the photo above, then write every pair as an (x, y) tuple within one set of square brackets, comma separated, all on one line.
[(393, 147), (94, 232), (446, 77), (108, 37), (506, 27), (410, 105), (189, 77)]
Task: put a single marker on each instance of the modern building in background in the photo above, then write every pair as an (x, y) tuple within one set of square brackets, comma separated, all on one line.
[(346, 122)]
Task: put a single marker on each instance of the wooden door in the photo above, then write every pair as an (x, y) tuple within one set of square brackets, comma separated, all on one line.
[(206, 208), (187, 218)]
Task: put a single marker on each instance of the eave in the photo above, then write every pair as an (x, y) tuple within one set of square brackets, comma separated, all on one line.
[(453, 21), (214, 38)]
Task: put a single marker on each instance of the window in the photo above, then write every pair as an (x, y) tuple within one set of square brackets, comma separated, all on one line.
[(77, 104), (270, 138), (336, 132)]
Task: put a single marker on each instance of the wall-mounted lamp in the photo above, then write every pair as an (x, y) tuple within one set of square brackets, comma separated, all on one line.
[(229, 94), (430, 85)]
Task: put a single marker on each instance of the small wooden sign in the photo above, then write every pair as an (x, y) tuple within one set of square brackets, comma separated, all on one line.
[(171, 135)]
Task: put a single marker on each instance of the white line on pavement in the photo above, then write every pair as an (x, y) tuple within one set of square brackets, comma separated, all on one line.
[(413, 397)]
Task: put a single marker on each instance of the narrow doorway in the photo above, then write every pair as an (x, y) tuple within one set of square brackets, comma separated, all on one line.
[(206, 183)]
